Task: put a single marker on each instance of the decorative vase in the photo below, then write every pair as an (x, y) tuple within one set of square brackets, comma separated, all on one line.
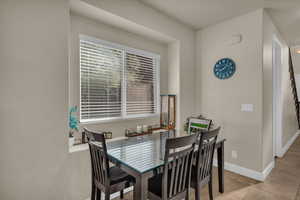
[(139, 129), (71, 141)]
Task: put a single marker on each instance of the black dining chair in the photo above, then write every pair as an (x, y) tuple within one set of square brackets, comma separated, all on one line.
[(174, 182), (202, 167), (104, 178)]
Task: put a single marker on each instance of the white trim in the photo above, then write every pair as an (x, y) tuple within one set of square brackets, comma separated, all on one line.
[(260, 176), (157, 84), (268, 170), (78, 148), (288, 144), (116, 119), (277, 98), (85, 147)]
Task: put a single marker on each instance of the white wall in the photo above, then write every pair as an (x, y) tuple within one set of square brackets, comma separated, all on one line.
[(221, 99), (93, 28), (34, 99)]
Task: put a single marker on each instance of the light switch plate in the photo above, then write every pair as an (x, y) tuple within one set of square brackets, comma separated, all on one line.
[(247, 107), (234, 154)]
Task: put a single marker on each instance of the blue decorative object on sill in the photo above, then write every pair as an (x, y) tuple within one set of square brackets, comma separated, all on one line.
[(224, 68), (73, 121)]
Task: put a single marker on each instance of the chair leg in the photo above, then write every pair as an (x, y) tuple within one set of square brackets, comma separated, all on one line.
[(107, 196), (187, 197), (210, 188), (122, 194), (98, 196), (197, 192), (93, 194)]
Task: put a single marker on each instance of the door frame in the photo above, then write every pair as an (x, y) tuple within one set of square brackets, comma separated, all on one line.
[(277, 97)]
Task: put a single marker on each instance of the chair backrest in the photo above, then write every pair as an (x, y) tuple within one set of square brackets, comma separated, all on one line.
[(205, 154), (179, 155), (99, 159), (94, 136), (199, 124)]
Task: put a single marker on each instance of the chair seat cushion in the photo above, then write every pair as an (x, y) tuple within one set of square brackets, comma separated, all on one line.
[(117, 175), (154, 185)]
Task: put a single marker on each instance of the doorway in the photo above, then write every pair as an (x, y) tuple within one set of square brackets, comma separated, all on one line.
[(277, 57)]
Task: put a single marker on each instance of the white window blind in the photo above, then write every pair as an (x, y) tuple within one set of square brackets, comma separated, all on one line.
[(141, 80), (116, 81), (101, 81)]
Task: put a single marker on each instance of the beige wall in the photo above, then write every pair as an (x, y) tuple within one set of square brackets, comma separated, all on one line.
[(221, 99), (35, 163), (93, 28), (267, 125), (248, 133), (79, 163), (289, 121), (185, 39), (180, 56), (34, 100)]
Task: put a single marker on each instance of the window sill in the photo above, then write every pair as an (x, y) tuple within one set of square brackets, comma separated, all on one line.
[(85, 147), (108, 120)]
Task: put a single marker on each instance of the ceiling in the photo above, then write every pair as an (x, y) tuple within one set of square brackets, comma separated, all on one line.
[(201, 13)]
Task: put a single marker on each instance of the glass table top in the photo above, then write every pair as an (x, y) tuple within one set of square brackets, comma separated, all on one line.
[(142, 153)]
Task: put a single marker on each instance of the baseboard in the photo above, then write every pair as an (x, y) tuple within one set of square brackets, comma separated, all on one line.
[(260, 176), (268, 170), (289, 144)]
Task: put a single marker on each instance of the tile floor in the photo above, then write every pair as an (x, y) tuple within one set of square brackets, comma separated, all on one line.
[(283, 183)]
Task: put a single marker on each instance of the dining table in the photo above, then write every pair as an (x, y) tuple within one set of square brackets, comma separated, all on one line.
[(143, 157)]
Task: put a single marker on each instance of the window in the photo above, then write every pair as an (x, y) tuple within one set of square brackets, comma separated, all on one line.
[(116, 81)]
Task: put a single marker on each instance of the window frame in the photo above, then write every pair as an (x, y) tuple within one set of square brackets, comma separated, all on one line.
[(124, 49)]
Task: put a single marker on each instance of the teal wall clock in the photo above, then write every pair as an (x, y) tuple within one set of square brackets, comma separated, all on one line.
[(224, 68)]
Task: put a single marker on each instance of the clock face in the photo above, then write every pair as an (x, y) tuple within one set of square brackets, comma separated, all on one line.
[(224, 68)]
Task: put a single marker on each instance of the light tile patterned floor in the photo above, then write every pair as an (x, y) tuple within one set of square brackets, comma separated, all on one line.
[(282, 184)]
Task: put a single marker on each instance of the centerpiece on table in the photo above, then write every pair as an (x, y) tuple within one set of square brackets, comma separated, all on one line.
[(73, 125)]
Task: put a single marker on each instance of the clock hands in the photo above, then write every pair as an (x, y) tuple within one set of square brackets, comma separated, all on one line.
[(224, 68)]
